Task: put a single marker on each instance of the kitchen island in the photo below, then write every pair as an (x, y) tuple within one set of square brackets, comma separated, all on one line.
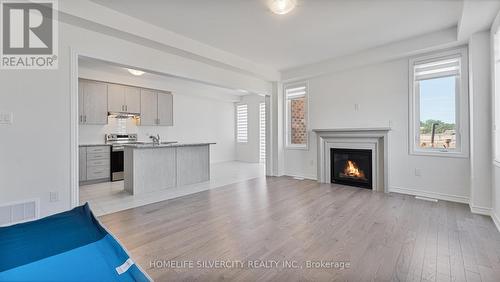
[(149, 167)]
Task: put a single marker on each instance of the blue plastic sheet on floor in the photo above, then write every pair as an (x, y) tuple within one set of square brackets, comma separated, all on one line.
[(70, 246)]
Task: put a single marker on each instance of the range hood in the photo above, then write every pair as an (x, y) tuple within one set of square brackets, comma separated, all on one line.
[(124, 115)]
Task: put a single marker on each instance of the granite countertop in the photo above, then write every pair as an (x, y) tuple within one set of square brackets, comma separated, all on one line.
[(169, 145), (93, 145)]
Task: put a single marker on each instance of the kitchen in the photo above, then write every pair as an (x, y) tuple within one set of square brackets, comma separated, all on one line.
[(124, 110)]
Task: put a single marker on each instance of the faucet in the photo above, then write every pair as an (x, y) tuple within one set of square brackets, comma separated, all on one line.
[(156, 139)]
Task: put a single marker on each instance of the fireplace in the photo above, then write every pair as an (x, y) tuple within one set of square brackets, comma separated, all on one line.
[(351, 167)]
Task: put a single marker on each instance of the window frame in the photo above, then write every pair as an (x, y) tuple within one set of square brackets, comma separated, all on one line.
[(287, 113), (237, 123), (461, 106)]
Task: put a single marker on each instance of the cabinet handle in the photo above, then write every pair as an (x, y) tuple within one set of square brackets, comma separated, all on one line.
[(126, 107), (85, 118)]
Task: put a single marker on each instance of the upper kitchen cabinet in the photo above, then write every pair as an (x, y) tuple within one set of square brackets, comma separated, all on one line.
[(123, 98), (133, 99), (149, 107), (165, 109), (116, 98), (156, 108), (93, 102)]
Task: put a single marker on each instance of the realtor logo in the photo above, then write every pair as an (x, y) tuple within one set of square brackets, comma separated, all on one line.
[(29, 33)]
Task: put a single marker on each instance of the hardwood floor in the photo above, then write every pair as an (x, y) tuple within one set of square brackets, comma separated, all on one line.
[(110, 197), (275, 220)]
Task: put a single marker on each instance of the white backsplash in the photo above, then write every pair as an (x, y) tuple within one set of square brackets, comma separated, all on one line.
[(90, 134)]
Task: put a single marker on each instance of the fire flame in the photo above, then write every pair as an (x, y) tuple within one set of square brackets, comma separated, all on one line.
[(352, 170)]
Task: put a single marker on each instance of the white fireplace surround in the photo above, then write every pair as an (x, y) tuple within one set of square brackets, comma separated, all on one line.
[(374, 139)]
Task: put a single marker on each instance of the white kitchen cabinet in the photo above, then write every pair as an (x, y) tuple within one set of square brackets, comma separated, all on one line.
[(96, 99), (165, 109), (156, 108), (81, 111), (116, 98), (82, 163), (93, 102), (94, 164), (123, 98), (132, 99), (149, 107)]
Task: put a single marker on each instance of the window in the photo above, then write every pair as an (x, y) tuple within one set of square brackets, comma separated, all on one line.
[(439, 103), (262, 131), (296, 115), (242, 123)]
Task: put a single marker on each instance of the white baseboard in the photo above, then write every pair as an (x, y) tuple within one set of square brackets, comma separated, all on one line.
[(496, 219), (480, 210), (429, 194), (310, 177)]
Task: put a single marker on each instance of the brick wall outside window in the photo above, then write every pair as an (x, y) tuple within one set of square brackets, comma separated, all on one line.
[(298, 134)]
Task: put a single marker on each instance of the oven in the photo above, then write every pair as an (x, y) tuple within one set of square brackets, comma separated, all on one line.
[(117, 163), (117, 158)]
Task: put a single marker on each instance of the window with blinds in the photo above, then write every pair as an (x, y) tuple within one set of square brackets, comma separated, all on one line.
[(437, 69), (437, 86), (262, 132), (296, 115), (242, 123)]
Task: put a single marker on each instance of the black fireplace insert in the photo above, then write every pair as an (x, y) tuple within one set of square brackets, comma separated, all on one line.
[(351, 167)]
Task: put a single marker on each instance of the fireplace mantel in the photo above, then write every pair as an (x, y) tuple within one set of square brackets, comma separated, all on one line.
[(367, 129), (376, 138)]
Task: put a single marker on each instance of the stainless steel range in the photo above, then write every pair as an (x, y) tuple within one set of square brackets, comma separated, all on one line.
[(117, 141)]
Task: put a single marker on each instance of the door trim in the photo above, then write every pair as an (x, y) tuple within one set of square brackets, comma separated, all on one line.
[(74, 166)]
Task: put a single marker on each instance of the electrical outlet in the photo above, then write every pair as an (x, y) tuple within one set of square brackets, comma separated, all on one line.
[(418, 172), (54, 197), (6, 118)]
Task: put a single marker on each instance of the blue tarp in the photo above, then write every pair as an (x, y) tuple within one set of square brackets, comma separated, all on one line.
[(69, 246)]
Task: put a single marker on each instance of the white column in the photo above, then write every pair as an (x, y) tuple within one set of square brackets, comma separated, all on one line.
[(480, 123)]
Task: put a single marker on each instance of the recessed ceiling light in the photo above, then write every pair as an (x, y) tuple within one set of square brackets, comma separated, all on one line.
[(282, 7), (135, 72)]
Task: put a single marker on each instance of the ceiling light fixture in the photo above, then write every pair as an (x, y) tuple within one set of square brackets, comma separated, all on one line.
[(135, 72), (282, 7)]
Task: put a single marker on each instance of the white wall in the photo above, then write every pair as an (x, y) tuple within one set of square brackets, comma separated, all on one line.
[(200, 115), (480, 122), (495, 79), (249, 152), (495, 212), (381, 90), (35, 149)]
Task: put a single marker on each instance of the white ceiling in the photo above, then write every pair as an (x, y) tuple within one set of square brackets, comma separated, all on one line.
[(316, 30)]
